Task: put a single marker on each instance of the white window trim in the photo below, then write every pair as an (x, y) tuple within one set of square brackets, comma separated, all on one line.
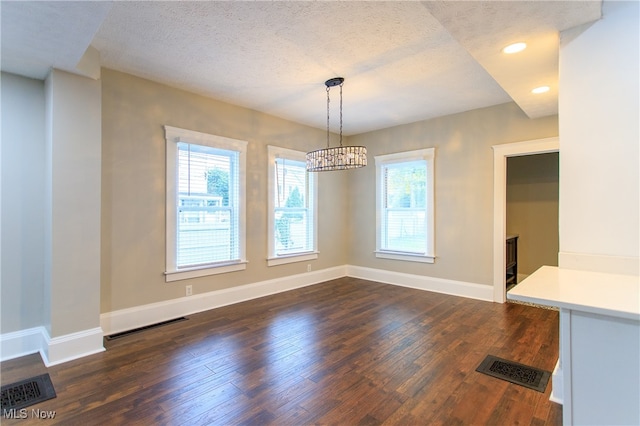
[(427, 154), (273, 259), (173, 136)]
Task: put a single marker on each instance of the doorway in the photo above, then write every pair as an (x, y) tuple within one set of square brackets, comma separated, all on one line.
[(500, 155), (532, 214)]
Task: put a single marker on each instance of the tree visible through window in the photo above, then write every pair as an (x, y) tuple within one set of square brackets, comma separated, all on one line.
[(218, 183), (291, 216), (292, 209)]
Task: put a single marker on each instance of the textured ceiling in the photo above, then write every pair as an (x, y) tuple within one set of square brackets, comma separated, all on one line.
[(402, 61)]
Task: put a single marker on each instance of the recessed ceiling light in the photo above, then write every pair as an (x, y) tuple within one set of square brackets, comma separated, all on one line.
[(515, 48), (541, 89)]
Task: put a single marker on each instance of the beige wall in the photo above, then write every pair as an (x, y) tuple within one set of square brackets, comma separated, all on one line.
[(463, 188), (532, 209), (133, 189), (72, 203)]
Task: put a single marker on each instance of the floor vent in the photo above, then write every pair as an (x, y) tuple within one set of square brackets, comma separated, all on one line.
[(27, 392), (523, 375), (146, 327)]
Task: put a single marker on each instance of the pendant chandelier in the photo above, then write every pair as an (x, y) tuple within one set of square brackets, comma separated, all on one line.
[(338, 157)]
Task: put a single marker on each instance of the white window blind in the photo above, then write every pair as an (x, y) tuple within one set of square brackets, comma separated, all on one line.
[(207, 205), (205, 212), (404, 211), (292, 207), (405, 206)]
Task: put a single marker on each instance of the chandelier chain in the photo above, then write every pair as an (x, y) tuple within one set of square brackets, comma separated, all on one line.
[(328, 116), (340, 114)]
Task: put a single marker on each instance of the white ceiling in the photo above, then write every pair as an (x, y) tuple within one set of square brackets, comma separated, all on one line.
[(402, 61)]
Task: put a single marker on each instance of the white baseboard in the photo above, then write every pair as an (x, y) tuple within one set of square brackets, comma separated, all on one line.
[(421, 282), (52, 350), (557, 393), (21, 343), (76, 345), (599, 263), (153, 313), (71, 346)]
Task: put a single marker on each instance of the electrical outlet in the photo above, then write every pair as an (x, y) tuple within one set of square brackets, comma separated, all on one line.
[(189, 290), (309, 268)]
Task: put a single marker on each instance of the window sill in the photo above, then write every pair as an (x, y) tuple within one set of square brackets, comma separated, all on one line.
[(187, 273), (281, 260), (408, 257)]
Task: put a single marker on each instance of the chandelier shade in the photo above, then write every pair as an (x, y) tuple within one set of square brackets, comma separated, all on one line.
[(338, 157)]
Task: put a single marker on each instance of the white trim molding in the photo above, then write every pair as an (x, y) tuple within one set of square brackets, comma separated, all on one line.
[(71, 346), (282, 260), (421, 282), (410, 257), (500, 155), (21, 343), (54, 350), (153, 313), (65, 348)]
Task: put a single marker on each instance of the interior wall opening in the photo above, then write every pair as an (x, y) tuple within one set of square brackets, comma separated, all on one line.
[(532, 238), (500, 155)]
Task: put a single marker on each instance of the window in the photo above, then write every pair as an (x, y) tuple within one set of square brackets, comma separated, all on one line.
[(292, 208), (404, 214), (205, 204)]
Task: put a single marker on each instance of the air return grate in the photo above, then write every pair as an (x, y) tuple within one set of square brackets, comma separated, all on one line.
[(513, 372), (27, 392), (146, 327)]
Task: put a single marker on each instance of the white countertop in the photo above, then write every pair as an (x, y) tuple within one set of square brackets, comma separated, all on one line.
[(586, 291)]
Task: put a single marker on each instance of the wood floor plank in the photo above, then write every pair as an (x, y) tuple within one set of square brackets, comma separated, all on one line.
[(347, 351)]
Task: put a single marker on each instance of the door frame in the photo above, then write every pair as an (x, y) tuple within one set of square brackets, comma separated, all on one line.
[(500, 155)]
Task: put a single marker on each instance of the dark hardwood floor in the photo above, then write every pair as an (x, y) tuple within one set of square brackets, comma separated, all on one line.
[(344, 352)]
